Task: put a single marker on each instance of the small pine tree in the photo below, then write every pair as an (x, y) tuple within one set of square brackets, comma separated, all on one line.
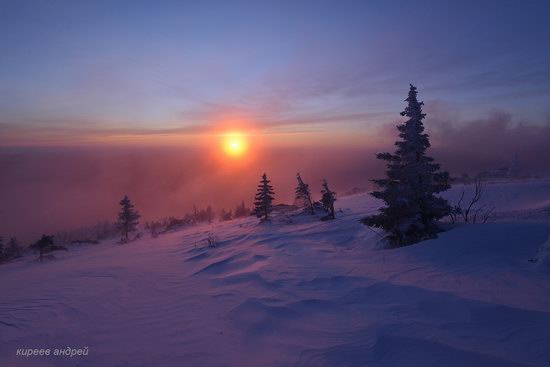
[(43, 245), (303, 194), (128, 217), (412, 180), (328, 197), (264, 199), (14, 249)]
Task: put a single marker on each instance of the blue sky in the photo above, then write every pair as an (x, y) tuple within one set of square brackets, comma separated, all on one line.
[(149, 67)]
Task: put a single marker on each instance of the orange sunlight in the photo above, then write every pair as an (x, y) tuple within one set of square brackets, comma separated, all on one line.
[(235, 144)]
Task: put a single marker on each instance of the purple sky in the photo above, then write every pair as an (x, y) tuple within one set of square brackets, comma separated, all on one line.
[(80, 72), (89, 88)]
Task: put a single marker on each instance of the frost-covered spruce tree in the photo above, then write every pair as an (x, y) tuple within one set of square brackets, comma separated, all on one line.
[(413, 178), (263, 199), (328, 197), (128, 217), (303, 194)]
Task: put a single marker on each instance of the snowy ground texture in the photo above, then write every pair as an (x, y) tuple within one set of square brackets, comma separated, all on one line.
[(294, 292)]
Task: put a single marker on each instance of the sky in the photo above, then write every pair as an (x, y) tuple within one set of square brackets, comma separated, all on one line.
[(164, 72), (101, 99)]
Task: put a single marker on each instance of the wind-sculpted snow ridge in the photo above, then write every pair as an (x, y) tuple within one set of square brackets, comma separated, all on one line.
[(295, 291)]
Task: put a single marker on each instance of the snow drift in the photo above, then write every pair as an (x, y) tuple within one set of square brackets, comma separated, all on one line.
[(293, 292)]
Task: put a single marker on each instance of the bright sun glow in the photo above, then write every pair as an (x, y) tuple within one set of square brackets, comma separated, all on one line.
[(235, 144)]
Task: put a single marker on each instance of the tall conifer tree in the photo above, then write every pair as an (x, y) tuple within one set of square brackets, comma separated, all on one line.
[(412, 180)]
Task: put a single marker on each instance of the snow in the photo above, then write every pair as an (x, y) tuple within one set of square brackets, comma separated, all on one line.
[(292, 292), (543, 257), (513, 199)]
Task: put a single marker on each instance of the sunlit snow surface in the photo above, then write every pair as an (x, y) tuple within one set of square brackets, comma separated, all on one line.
[(294, 292)]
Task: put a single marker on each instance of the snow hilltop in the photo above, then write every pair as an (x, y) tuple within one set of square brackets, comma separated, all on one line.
[(293, 292)]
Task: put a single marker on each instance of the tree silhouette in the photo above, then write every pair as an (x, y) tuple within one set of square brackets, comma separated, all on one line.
[(263, 199), (412, 179), (328, 197), (128, 217), (43, 245), (303, 194)]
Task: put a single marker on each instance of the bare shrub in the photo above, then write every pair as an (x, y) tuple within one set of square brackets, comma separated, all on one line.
[(469, 210)]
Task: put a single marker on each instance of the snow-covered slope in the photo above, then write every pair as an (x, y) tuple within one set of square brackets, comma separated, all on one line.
[(294, 292), (513, 199)]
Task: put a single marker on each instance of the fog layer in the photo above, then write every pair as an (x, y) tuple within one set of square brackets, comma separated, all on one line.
[(47, 190)]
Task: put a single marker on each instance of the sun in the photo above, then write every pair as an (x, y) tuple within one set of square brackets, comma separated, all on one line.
[(235, 144)]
